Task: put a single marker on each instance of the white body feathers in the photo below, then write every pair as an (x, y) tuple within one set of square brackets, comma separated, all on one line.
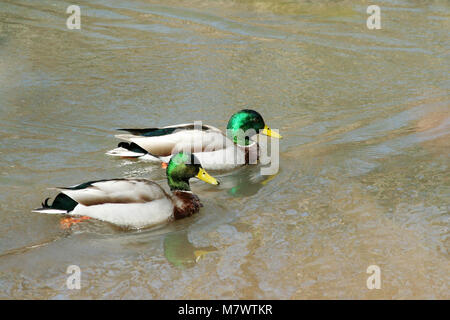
[(133, 203), (214, 150), (131, 215)]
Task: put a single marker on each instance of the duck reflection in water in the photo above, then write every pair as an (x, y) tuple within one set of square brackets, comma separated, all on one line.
[(245, 182), (181, 253)]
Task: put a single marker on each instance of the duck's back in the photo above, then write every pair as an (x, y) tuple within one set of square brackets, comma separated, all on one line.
[(171, 140), (134, 203)]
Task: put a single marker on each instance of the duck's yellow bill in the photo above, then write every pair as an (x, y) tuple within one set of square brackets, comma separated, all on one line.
[(204, 176), (268, 132)]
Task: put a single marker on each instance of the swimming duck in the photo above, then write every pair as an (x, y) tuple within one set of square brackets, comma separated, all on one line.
[(212, 147), (134, 203)]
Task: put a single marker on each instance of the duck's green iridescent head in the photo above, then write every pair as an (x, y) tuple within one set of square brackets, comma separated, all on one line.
[(183, 166), (246, 123)]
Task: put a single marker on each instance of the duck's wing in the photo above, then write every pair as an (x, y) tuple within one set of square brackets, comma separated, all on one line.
[(170, 140), (115, 191), (164, 131)]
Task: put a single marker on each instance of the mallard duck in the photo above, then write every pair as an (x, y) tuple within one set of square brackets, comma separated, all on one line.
[(134, 203), (213, 148)]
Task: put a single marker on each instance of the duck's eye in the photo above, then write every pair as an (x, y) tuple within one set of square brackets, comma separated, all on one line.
[(203, 172)]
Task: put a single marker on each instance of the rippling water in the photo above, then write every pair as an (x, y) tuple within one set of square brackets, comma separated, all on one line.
[(364, 172)]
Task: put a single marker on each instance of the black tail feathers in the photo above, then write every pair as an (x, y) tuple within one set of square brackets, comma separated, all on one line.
[(132, 147), (45, 204), (61, 202)]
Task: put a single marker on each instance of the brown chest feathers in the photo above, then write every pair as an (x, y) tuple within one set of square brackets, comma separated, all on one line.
[(185, 204)]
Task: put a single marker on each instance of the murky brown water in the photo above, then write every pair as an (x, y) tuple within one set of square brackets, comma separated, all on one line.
[(364, 175)]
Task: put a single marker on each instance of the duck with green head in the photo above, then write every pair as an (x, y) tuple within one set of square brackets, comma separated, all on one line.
[(215, 150), (134, 203)]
